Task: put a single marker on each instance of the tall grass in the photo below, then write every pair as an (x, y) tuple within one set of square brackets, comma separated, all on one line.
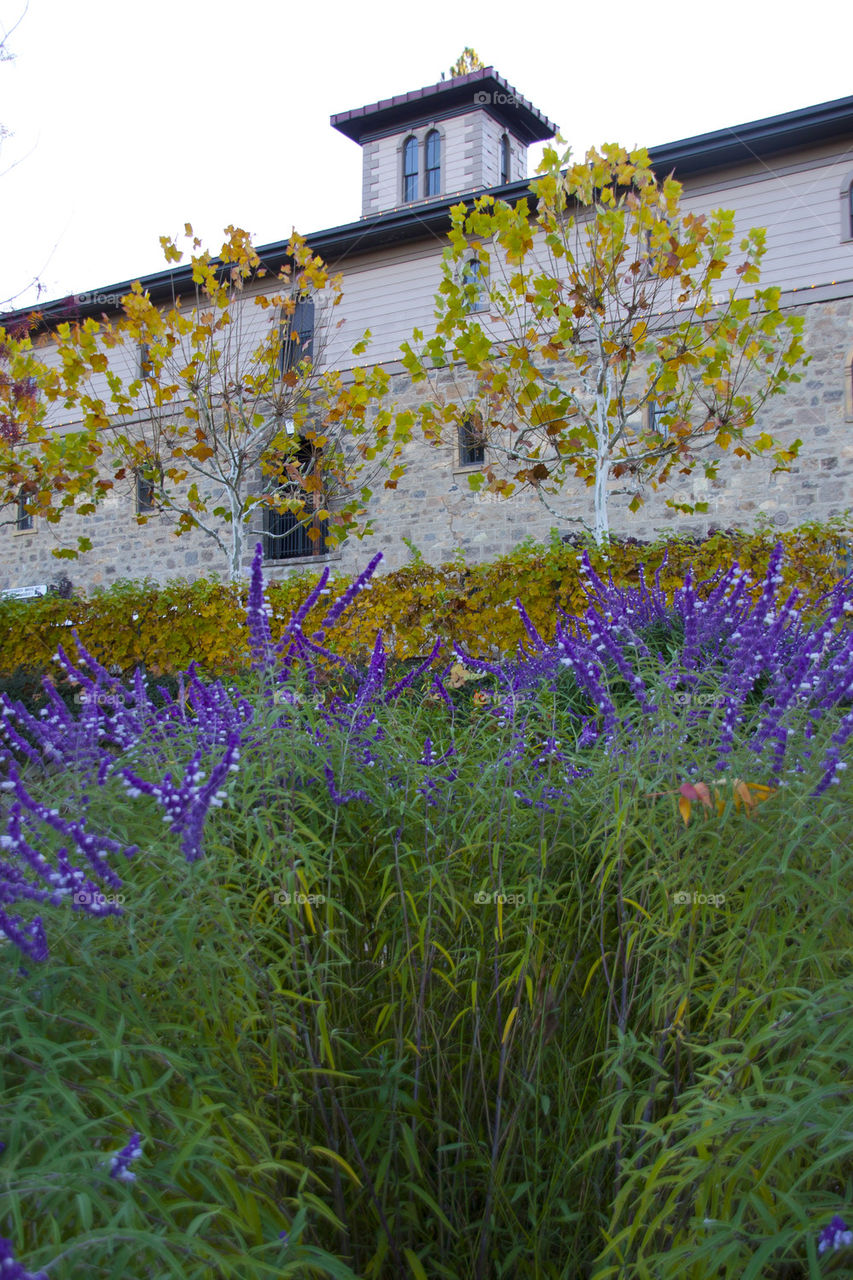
[(502, 1013)]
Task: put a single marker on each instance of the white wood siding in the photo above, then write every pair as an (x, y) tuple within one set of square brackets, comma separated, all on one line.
[(392, 291), (796, 198)]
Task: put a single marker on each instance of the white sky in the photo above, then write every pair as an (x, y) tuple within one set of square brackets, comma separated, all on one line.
[(131, 118)]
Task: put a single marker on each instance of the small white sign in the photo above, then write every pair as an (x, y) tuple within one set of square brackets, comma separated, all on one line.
[(24, 593)]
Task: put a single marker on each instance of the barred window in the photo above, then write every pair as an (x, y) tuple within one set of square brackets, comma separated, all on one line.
[(290, 535), (472, 443)]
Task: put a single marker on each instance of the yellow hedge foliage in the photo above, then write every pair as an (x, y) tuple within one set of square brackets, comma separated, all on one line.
[(165, 628)]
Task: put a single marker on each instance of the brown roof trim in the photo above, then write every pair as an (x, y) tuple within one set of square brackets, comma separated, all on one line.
[(484, 89)]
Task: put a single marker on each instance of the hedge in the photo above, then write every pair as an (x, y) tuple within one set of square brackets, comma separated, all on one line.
[(165, 627)]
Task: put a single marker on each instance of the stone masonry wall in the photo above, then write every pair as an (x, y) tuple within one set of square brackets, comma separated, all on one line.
[(434, 507)]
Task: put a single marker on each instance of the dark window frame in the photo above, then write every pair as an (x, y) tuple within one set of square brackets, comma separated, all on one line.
[(847, 208), (24, 520), (505, 159), (285, 534), (146, 494), (296, 335), (410, 169), (655, 411), (432, 171), (471, 273), (472, 443)]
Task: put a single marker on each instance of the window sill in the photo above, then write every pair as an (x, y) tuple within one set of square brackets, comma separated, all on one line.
[(24, 533), (303, 561)]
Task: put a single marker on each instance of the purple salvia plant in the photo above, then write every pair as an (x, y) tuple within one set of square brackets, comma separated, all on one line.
[(12, 1270), (834, 1237), (120, 1162), (260, 638), (186, 805), (349, 597), (770, 667)]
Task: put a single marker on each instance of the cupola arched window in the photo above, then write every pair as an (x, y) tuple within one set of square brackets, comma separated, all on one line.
[(432, 172), (504, 159), (410, 170)]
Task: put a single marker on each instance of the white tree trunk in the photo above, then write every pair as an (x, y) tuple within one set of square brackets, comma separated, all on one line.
[(238, 535), (601, 526), (602, 475)]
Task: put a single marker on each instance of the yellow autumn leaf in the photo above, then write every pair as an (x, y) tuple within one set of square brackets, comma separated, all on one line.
[(513, 1013), (339, 1160)]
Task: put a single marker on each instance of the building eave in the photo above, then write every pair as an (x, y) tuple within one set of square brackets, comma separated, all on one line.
[(483, 89), (722, 148)]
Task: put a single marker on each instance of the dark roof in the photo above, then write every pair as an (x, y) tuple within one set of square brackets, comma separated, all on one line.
[(484, 89), (722, 148), (757, 139)]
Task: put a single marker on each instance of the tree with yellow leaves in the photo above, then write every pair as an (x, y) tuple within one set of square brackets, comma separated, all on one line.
[(218, 408), (598, 338)]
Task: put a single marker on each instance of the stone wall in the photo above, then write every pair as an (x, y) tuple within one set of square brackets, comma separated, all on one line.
[(434, 507)]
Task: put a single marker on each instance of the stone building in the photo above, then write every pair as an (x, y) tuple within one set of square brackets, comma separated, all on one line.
[(792, 174)]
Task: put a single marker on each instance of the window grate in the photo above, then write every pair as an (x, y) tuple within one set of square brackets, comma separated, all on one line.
[(472, 446), (286, 535)]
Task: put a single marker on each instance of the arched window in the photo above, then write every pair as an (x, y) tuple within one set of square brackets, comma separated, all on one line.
[(410, 170), (433, 163), (504, 159)]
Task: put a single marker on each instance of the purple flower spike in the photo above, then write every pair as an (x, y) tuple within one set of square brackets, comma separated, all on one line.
[(260, 639), (351, 593), (12, 1270), (836, 1236), (341, 797), (119, 1163), (28, 937)]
